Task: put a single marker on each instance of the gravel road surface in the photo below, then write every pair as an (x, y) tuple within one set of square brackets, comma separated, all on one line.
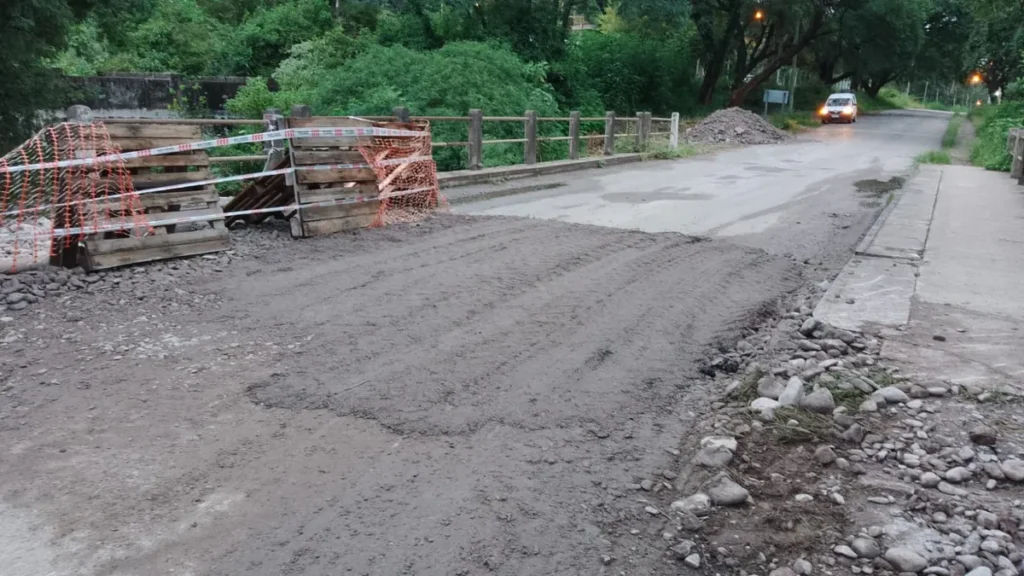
[(462, 396)]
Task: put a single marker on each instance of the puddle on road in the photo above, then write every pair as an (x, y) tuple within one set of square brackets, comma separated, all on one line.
[(880, 187)]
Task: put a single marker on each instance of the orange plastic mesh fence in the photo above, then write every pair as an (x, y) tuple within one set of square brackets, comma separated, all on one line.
[(406, 175), (45, 208)]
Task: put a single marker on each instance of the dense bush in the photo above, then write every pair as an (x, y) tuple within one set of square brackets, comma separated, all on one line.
[(994, 123), (356, 78), (627, 73), (262, 41)]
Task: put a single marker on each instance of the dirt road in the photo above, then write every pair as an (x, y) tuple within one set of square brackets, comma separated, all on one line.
[(470, 395), (464, 396)]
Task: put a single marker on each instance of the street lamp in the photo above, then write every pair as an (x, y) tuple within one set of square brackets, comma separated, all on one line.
[(759, 15), (975, 79)]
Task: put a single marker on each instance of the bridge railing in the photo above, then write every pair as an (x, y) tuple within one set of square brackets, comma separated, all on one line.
[(1015, 145), (638, 129)]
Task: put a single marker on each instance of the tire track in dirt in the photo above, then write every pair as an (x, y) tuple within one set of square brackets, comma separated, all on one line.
[(465, 396), (513, 325)]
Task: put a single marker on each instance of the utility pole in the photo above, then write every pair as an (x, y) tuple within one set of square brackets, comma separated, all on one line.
[(925, 99)]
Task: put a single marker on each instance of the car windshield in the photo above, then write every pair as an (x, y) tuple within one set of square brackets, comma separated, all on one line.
[(838, 102)]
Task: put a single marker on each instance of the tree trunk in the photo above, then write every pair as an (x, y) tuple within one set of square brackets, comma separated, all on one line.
[(716, 65), (740, 94)]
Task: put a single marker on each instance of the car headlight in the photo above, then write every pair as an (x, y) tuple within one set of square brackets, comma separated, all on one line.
[(823, 111), (848, 110)]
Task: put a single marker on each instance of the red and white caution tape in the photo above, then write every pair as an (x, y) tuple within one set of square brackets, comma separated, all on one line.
[(212, 181), (207, 144)]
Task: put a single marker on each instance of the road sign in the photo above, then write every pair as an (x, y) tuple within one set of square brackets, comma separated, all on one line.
[(776, 96)]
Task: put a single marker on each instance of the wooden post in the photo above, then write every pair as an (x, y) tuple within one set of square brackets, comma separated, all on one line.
[(609, 133), (673, 139), (1017, 170), (476, 139), (645, 131), (574, 135), (400, 112), (274, 149), (298, 111), (638, 137), (530, 147)]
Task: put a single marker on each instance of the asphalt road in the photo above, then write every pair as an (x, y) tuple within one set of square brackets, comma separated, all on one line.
[(759, 195)]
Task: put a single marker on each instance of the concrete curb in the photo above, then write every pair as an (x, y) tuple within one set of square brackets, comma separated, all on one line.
[(469, 177), (872, 233)]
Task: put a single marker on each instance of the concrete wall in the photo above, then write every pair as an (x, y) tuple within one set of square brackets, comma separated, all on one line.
[(151, 95)]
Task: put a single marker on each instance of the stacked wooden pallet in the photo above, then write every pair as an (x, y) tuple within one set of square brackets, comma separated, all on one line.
[(333, 184), (207, 234), (267, 192)]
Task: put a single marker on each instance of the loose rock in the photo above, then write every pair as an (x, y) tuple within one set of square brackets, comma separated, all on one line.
[(1013, 469), (825, 455), (905, 560), (725, 492), (866, 547), (769, 387), (845, 551), (983, 435), (793, 393), (819, 401), (698, 504), (958, 474)]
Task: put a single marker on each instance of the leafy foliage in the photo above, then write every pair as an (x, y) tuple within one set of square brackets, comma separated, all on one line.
[(263, 40), (990, 151), (31, 32)]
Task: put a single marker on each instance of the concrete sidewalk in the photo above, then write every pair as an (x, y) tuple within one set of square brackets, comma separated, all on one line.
[(942, 279)]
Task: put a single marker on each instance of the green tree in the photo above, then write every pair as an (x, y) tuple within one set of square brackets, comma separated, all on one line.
[(31, 33), (179, 37), (996, 46), (881, 40), (264, 38)]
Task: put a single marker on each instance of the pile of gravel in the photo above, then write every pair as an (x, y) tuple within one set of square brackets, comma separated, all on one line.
[(735, 125)]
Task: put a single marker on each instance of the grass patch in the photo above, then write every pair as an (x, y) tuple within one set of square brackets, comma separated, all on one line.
[(894, 99), (949, 138), (793, 426), (747, 392), (794, 121), (851, 398), (994, 124), (882, 378), (934, 157), (661, 151)]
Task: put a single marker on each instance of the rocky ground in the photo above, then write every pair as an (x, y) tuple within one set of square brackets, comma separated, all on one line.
[(820, 460), (158, 282), (735, 126), (802, 452)]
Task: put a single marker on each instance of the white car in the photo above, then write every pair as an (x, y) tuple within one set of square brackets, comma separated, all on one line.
[(839, 108)]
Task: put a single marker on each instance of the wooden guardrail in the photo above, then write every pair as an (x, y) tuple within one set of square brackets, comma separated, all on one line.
[(641, 129), (1015, 144)]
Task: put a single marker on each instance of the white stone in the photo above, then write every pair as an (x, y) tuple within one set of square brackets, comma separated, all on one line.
[(793, 393), (727, 442)]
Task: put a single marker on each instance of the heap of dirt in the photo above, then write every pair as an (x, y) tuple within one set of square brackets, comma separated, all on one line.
[(735, 125)]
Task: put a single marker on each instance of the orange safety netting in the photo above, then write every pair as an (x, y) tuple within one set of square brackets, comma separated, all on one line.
[(45, 208), (406, 174)]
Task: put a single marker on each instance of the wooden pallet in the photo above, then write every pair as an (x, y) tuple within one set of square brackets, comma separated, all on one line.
[(113, 249), (333, 185), (267, 192)]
